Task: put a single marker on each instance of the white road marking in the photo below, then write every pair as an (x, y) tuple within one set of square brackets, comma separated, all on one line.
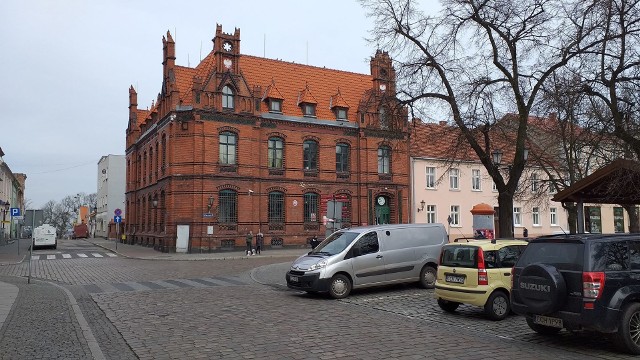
[(96, 255), (35, 257), (66, 256), (111, 255), (82, 255), (50, 257)]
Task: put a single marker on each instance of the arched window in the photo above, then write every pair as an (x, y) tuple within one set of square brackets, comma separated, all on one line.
[(151, 164), (342, 157), (275, 155), (384, 160), (310, 155), (310, 207), (276, 207), (227, 97), (228, 207), (228, 141), (164, 152)]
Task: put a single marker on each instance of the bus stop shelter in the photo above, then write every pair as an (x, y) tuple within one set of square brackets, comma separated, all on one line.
[(615, 183)]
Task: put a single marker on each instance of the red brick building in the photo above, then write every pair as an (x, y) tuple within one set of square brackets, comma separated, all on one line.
[(243, 143)]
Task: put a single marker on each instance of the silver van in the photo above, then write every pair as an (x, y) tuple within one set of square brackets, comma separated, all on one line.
[(370, 256)]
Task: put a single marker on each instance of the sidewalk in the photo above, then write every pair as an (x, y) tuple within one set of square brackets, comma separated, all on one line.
[(14, 253), (146, 253)]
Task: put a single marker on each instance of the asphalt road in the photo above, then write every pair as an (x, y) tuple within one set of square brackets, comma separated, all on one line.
[(111, 307)]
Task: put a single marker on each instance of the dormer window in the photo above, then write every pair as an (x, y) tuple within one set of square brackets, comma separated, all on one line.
[(309, 109), (227, 98), (275, 105), (341, 113)]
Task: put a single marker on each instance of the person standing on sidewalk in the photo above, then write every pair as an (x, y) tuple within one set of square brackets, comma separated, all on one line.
[(249, 241), (259, 241)]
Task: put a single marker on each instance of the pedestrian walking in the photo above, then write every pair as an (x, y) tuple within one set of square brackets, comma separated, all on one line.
[(259, 242), (249, 241)]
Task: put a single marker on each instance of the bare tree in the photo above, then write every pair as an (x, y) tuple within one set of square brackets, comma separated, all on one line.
[(479, 60), (611, 72)]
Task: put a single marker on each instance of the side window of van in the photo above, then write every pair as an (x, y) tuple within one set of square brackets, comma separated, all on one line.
[(368, 244)]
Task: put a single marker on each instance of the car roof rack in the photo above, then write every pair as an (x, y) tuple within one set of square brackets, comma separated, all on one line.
[(463, 238)]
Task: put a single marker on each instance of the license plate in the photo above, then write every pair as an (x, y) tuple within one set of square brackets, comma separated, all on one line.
[(547, 321), (293, 278), (454, 279)]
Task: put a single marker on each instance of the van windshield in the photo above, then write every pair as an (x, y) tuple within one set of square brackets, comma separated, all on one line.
[(335, 243)]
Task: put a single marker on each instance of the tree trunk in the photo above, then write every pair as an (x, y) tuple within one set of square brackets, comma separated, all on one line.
[(505, 212), (572, 217), (634, 224)]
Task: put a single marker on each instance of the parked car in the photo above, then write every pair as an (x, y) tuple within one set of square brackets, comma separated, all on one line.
[(477, 272), (584, 281), (370, 256)]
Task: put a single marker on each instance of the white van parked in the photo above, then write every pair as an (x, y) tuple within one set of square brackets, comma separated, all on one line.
[(44, 235), (370, 256)]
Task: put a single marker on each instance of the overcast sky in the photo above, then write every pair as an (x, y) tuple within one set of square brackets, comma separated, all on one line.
[(66, 66)]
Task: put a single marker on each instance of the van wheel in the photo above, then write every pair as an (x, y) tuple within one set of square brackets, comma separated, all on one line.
[(628, 336), (541, 329), (428, 277), (340, 286), (497, 307), (448, 306)]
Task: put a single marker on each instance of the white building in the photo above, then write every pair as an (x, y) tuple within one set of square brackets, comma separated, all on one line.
[(110, 194)]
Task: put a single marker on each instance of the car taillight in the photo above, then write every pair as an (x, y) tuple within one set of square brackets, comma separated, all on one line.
[(592, 284), (483, 278)]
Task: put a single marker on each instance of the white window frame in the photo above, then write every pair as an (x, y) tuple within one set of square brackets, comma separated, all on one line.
[(476, 180), (454, 179), (455, 215), (430, 180), (517, 216), (431, 214), (553, 216), (535, 216), (494, 188)]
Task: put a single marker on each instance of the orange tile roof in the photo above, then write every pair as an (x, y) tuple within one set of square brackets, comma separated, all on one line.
[(184, 82), (287, 81), (439, 141), (291, 78), (272, 92), (306, 96), (338, 100), (443, 141), (142, 115)]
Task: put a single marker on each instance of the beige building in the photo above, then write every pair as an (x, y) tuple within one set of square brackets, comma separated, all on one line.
[(448, 181)]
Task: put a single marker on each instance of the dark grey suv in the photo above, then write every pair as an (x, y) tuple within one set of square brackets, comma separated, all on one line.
[(584, 281)]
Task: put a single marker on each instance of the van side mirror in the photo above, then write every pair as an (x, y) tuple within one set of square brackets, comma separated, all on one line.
[(356, 251)]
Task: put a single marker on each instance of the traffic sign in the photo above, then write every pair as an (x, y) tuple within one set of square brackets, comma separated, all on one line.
[(207, 215), (18, 218), (117, 212), (15, 211), (117, 219)]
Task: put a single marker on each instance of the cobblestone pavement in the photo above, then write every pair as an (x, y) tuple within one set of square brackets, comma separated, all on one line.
[(241, 309)]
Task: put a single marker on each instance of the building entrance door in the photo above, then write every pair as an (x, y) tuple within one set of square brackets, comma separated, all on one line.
[(383, 213), (182, 240)]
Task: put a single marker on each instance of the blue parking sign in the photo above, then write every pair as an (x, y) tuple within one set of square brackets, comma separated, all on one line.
[(117, 219), (15, 211)]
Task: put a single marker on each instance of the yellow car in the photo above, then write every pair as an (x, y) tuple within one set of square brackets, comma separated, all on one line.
[(477, 272)]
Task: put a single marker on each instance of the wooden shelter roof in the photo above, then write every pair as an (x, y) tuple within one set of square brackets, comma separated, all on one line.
[(615, 183)]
